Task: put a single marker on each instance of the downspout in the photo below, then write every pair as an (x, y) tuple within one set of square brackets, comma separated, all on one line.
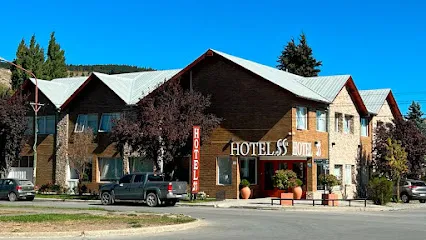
[(327, 171)]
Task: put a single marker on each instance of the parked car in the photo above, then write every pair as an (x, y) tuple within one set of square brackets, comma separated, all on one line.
[(15, 189), (412, 190), (146, 187)]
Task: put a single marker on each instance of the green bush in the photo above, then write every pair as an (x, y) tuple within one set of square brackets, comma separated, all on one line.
[(329, 180), (245, 183), (282, 179), (380, 190)]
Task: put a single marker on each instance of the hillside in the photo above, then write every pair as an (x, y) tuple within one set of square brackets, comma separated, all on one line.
[(5, 76)]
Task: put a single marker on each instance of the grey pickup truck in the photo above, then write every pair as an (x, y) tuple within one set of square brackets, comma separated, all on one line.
[(146, 187)]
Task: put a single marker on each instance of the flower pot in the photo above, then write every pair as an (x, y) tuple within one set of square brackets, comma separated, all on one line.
[(288, 196), (327, 199), (297, 192), (245, 192)]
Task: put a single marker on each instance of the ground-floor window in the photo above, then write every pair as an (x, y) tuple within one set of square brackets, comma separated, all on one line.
[(248, 169), (299, 169), (321, 169), (110, 169), (140, 164), (87, 174), (350, 174), (24, 162), (224, 170)]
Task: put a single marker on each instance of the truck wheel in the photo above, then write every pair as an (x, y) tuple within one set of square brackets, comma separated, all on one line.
[(422, 201), (171, 202), (405, 198), (106, 198), (151, 199)]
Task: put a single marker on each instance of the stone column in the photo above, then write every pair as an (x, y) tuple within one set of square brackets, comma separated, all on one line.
[(62, 140)]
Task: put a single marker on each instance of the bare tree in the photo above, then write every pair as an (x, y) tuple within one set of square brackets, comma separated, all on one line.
[(80, 155)]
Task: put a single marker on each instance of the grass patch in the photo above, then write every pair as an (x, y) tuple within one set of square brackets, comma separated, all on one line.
[(53, 207), (68, 197), (50, 218), (198, 200)]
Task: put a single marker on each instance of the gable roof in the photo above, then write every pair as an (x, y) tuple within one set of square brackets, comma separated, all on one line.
[(374, 99), (130, 87), (58, 90), (285, 80)]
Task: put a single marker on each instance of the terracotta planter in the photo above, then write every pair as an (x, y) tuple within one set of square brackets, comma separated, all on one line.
[(297, 192), (286, 202), (328, 202), (245, 192)]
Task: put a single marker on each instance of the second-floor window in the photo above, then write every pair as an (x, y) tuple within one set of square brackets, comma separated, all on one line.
[(321, 121), (85, 121), (301, 118), (46, 124), (107, 121), (364, 127), (338, 122), (348, 125)]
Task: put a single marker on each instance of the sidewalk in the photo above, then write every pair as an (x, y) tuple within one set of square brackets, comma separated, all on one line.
[(265, 204)]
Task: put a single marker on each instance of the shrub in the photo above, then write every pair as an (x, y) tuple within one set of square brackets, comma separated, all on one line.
[(282, 177), (201, 195), (329, 180), (245, 183), (380, 190)]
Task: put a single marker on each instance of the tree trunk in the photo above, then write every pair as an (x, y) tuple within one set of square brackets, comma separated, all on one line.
[(397, 188)]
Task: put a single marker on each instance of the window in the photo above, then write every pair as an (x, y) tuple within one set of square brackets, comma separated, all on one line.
[(126, 179), (85, 121), (301, 118), (338, 171), (46, 124), (111, 169), (338, 122), (139, 178), (348, 124), (107, 121), (30, 126), (248, 169), (364, 127), (24, 161), (224, 170), (140, 164), (348, 174), (321, 121), (321, 169), (282, 166)]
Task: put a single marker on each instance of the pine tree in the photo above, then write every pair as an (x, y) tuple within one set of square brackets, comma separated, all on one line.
[(55, 66), (18, 75), (298, 59), (414, 112), (35, 58)]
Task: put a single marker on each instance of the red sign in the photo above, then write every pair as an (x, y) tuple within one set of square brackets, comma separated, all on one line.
[(195, 159)]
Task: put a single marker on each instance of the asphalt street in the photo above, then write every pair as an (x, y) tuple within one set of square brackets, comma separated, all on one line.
[(222, 223)]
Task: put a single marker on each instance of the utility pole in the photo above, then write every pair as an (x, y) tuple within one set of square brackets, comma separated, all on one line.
[(36, 107)]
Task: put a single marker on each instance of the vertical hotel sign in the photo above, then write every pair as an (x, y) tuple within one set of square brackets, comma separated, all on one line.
[(195, 183)]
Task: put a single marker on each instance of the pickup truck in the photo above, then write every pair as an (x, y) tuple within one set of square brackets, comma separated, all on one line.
[(146, 187)]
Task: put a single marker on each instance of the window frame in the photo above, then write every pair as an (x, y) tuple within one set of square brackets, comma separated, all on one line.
[(43, 122), (218, 170), (99, 172), (337, 118), (348, 174), (348, 120), (322, 112), (86, 122), (305, 117), (247, 160)]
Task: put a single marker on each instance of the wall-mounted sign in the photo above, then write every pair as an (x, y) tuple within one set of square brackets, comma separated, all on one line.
[(259, 148), (195, 159), (302, 149)]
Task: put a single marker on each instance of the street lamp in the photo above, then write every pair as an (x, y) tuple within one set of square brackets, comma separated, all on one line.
[(36, 107)]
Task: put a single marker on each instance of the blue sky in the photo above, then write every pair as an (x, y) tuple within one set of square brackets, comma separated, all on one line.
[(381, 44)]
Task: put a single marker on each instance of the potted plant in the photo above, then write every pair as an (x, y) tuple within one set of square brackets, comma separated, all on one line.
[(329, 181), (282, 180), (296, 185), (245, 189)]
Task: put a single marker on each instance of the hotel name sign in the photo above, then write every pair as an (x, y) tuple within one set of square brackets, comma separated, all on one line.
[(281, 148)]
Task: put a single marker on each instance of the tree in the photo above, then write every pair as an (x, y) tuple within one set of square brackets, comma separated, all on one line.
[(299, 59), (13, 124), (410, 138), (161, 125), (55, 66), (396, 158), (35, 58), (415, 114), (80, 156), (18, 75)]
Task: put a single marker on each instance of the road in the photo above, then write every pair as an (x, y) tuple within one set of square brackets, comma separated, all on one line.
[(257, 224)]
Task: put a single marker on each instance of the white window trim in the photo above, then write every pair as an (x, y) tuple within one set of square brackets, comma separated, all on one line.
[(305, 127), (346, 177), (325, 120), (100, 122), (255, 167), (366, 126), (217, 171), (347, 119), (86, 123), (336, 121)]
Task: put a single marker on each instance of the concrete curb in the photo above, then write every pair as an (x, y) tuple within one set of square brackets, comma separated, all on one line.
[(121, 232)]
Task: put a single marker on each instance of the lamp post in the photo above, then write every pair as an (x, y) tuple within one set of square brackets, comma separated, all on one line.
[(36, 107)]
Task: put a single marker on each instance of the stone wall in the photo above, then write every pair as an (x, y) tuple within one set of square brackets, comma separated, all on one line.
[(344, 147), (62, 150)]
